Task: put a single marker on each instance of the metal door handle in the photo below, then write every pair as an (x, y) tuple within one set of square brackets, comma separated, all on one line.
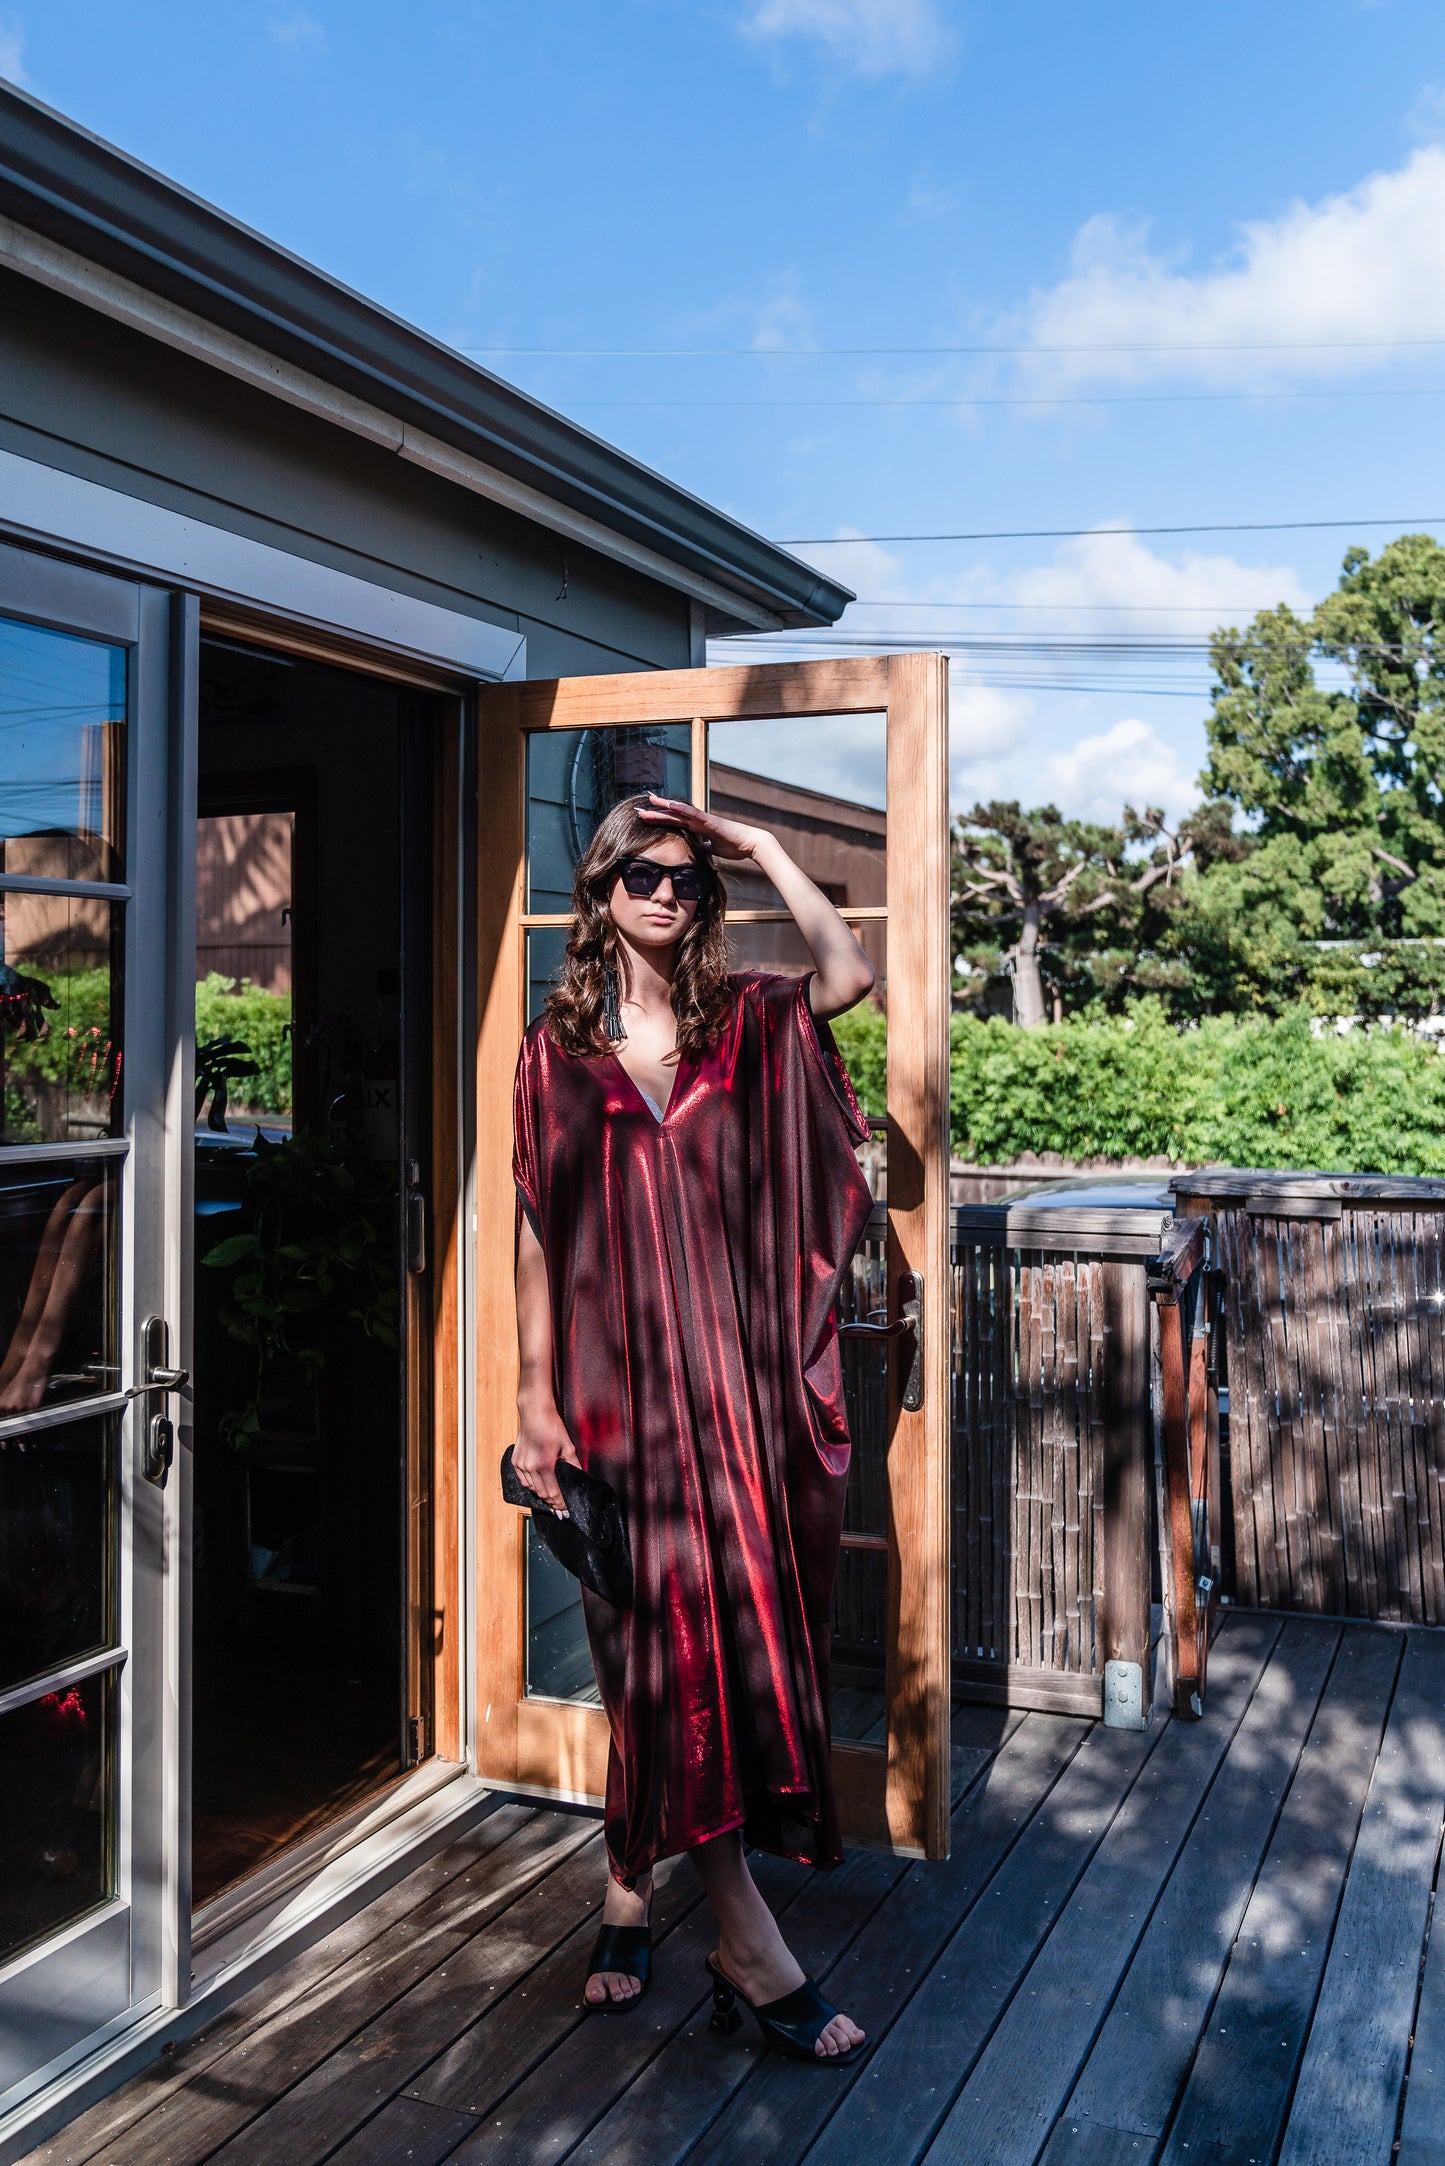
[(908, 1324), (159, 1447)]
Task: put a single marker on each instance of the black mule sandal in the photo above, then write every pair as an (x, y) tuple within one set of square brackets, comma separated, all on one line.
[(625, 1948), (791, 2025)]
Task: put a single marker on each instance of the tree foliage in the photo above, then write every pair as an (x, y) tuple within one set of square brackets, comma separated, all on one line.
[(1313, 872)]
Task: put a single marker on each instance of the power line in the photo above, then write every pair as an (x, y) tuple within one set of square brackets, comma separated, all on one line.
[(1101, 398), (1074, 533), (809, 353)]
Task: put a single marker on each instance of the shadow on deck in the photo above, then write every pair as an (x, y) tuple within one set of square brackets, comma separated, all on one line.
[(1206, 1942)]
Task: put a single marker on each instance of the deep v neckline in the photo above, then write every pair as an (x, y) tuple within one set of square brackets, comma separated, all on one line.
[(659, 1120)]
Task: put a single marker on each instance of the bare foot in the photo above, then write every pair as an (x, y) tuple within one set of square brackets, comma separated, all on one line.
[(620, 1906)]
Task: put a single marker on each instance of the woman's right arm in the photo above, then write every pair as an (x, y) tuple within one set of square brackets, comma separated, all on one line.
[(541, 1438)]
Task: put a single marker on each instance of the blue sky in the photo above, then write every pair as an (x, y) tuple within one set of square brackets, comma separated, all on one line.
[(702, 203)]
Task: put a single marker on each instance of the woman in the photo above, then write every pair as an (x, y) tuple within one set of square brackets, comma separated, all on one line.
[(690, 1200)]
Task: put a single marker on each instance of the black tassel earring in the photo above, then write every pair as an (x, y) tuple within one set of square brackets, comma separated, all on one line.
[(612, 1006)]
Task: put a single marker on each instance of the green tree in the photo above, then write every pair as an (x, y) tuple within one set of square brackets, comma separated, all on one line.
[(1063, 905), (1340, 784)]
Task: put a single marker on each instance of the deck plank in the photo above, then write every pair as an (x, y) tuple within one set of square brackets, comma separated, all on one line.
[(1023, 2077), (1237, 2097), (1134, 2073), (110, 2117), (694, 2075), (1350, 2081), (1262, 1878), (552, 2109), (1422, 2126), (508, 2040), (382, 2057), (907, 2085), (407, 2132), (778, 2110), (279, 2051)]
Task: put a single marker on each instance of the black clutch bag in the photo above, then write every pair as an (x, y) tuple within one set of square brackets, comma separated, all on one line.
[(591, 1543)]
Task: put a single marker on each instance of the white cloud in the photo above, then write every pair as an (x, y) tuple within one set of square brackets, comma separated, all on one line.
[(1366, 264), (297, 34), (1119, 572), (12, 51), (1085, 751), (1128, 763), (872, 37)]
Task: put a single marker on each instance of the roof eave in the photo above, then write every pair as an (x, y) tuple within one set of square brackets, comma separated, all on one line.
[(85, 195)]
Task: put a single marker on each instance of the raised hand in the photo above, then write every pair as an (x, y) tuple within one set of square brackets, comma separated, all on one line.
[(729, 841)]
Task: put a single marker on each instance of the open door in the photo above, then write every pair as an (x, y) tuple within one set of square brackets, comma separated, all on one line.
[(552, 758)]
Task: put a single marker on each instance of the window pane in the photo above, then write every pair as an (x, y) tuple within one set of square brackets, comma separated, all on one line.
[(57, 1548), (546, 948), (62, 755), (57, 1811), (60, 1018), (860, 1639), (559, 1661), (818, 784), (575, 777), (58, 1290)]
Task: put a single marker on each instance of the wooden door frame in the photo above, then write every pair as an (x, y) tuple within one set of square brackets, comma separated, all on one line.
[(436, 1473), (898, 1798)]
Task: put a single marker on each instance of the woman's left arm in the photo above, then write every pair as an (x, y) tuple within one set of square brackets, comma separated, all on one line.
[(842, 973)]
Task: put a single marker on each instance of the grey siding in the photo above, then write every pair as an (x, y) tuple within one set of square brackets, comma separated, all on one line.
[(82, 393)]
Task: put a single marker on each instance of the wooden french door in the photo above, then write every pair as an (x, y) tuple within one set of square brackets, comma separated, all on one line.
[(848, 760)]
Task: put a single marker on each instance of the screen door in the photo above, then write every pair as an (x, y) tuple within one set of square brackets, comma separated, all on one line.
[(847, 762)]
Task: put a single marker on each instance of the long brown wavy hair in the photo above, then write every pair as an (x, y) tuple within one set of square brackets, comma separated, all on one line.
[(701, 995)]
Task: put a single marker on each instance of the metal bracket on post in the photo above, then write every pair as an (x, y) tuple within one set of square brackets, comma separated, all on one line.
[(1124, 1696)]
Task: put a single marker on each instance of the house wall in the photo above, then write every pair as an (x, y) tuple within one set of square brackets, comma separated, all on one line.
[(87, 395)]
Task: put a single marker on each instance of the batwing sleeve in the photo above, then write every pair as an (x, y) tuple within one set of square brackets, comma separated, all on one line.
[(811, 1127)]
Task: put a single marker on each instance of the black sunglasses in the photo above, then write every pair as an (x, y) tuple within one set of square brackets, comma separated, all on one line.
[(644, 876)]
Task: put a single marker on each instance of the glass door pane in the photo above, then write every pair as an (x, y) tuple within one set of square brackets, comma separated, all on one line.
[(819, 782), (83, 1230)]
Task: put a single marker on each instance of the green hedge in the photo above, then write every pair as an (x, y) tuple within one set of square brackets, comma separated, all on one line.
[(228, 1009), (1229, 1091)]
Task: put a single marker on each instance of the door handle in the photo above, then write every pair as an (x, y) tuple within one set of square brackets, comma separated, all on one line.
[(907, 1325), (159, 1448)]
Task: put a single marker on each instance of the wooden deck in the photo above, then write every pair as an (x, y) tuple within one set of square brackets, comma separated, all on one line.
[(1202, 1943)]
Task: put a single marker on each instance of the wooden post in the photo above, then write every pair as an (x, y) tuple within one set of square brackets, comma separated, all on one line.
[(1125, 1397), (1187, 1697)]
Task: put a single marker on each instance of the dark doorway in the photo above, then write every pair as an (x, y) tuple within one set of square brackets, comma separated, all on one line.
[(313, 972)]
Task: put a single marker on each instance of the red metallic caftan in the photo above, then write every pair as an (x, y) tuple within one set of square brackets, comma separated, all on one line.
[(693, 1264)]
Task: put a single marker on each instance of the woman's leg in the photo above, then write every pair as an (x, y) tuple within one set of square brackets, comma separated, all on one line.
[(751, 1949), (620, 1906)]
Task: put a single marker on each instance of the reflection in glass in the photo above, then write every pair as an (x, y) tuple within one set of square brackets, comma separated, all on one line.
[(559, 1664), (767, 774), (60, 1011), (62, 754), (575, 777), (57, 1548), (840, 759), (57, 1810), (57, 1284), (546, 947)]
